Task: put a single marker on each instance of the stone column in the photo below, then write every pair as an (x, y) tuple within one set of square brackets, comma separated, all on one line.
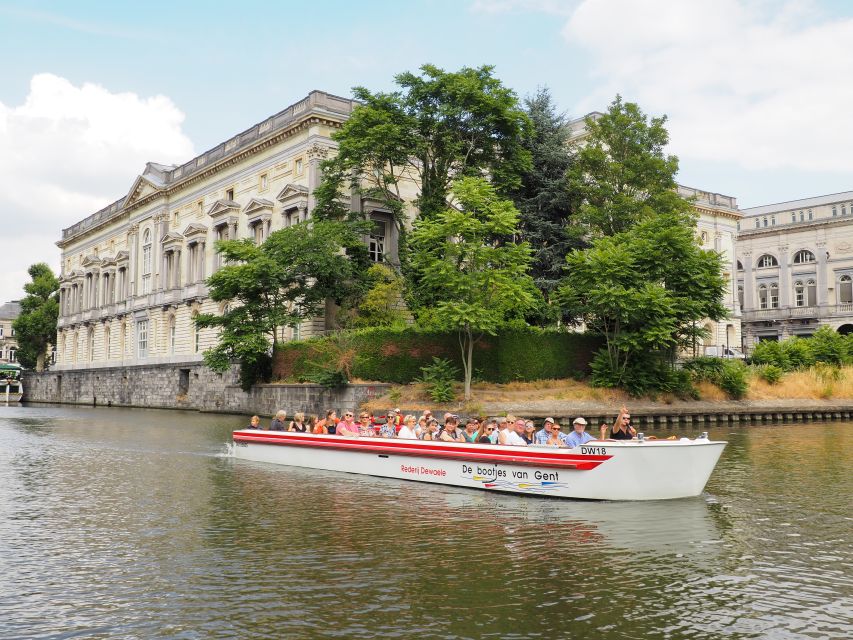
[(748, 282), (784, 277), (822, 258), (130, 273), (316, 153), (177, 263)]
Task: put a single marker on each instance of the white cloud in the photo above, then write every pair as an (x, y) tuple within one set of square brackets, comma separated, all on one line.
[(761, 84), (66, 152)]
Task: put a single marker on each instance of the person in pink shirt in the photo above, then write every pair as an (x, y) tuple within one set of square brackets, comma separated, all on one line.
[(347, 427)]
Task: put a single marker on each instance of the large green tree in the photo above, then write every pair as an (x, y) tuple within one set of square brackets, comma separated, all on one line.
[(621, 174), (644, 283), (35, 327), (470, 265), (543, 197), (279, 283), (436, 127)]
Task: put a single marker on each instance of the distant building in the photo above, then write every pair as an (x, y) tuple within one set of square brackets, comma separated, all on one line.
[(8, 342), (795, 267)]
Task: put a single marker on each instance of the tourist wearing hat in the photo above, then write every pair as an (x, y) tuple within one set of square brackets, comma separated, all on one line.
[(579, 436), (545, 432)]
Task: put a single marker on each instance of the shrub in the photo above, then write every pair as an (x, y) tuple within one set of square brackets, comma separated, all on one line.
[(770, 352), (645, 375), (770, 373), (829, 346), (438, 378), (733, 379), (705, 368)]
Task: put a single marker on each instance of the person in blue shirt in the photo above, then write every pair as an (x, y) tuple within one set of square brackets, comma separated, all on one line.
[(579, 436)]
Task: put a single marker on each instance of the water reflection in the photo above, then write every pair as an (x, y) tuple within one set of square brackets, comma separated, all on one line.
[(118, 523)]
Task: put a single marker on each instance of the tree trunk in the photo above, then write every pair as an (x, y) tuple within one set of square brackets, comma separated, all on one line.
[(40, 362), (468, 356)]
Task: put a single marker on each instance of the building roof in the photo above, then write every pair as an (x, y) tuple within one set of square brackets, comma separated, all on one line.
[(10, 310), (804, 203)]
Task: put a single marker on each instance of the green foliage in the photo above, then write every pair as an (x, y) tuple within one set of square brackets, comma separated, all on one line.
[(468, 263), (734, 379), (797, 353), (397, 355), (330, 379), (438, 378), (621, 176), (705, 368), (381, 305), (35, 327), (543, 197), (828, 346), (770, 373), (277, 284), (646, 375), (770, 352)]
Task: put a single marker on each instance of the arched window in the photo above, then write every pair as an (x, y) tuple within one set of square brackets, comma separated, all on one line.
[(811, 293), (803, 256), (845, 290), (146, 261), (739, 265), (172, 335), (767, 261), (107, 342), (799, 293), (196, 333), (90, 337), (762, 296), (774, 296), (13, 354)]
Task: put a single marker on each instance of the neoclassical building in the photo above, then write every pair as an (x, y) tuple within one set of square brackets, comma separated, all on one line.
[(8, 343), (132, 274), (795, 267)]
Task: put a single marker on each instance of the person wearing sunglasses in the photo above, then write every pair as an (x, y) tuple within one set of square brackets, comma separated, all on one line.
[(346, 426), (622, 429), (365, 426), (487, 433)]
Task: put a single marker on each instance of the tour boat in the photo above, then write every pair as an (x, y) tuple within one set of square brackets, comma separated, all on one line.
[(599, 470), (11, 387)]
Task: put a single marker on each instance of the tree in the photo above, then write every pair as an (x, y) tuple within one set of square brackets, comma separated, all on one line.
[(644, 290), (437, 127), (621, 175), (35, 327), (381, 304), (467, 260), (543, 197), (279, 283)]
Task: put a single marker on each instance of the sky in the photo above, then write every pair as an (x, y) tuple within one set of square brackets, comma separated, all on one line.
[(758, 93)]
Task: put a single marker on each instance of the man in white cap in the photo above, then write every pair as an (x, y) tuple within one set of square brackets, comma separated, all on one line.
[(545, 432), (579, 436)]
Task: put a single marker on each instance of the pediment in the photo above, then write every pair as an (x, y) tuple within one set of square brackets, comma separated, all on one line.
[(173, 237), (293, 194), (108, 261), (223, 207), (91, 261), (122, 256), (76, 274), (195, 229), (142, 187), (258, 205)]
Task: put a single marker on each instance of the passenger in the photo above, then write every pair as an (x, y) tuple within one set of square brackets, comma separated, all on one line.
[(347, 427), (421, 428), (427, 414), (277, 423), (450, 433), (255, 422), (398, 418), (431, 432), (557, 438), (503, 431), (564, 437), (389, 429), (514, 435), (487, 433), (622, 429), (529, 434), (409, 430), (545, 433), (311, 424), (328, 424), (298, 423), (470, 432), (579, 436), (365, 426)]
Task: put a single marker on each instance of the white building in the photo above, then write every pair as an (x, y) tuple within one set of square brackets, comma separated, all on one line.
[(795, 267), (8, 343)]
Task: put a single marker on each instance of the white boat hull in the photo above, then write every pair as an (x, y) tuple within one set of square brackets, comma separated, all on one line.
[(601, 470)]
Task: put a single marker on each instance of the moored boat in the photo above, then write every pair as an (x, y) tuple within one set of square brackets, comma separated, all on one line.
[(599, 470), (11, 387)]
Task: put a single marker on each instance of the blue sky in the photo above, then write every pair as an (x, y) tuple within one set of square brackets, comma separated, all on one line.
[(758, 92)]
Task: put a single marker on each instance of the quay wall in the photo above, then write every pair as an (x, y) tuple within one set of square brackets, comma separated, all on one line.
[(188, 385)]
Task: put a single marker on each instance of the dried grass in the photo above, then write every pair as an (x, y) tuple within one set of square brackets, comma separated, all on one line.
[(814, 384)]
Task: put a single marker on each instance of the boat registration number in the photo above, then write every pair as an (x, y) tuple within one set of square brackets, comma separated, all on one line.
[(593, 451)]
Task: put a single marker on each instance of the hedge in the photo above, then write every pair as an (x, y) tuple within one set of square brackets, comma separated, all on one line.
[(396, 355)]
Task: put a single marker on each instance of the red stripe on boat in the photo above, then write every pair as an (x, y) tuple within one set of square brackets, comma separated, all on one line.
[(513, 455)]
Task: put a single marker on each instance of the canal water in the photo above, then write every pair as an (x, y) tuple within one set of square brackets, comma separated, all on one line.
[(118, 523)]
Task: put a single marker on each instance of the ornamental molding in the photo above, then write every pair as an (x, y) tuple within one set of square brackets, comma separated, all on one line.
[(122, 256), (317, 152), (195, 229), (223, 207), (258, 205)]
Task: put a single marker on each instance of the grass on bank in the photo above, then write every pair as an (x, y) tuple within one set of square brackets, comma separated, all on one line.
[(815, 383)]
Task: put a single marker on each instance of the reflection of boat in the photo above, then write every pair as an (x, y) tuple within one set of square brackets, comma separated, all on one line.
[(11, 387), (600, 470)]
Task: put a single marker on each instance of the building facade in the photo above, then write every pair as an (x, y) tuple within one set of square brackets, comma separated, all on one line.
[(8, 343), (795, 267), (132, 275)]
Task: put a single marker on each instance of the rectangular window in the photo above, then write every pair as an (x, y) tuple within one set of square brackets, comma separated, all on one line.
[(843, 210), (258, 232), (772, 221), (376, 246), (199, 209), (834, 211), (810, 214), (299, 167), (801, 216), (172, 338), (1, 332), (263, 182), (196, 339), (229, 194), (146, 285), (142, 338), (757, 223)]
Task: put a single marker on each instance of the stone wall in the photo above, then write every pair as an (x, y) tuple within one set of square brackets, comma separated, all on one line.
[(188, 386)]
